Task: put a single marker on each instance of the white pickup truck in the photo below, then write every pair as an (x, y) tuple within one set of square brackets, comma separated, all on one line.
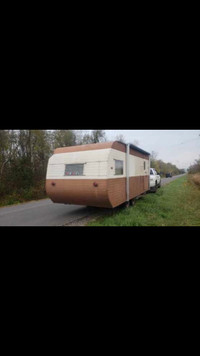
[(155, 180)]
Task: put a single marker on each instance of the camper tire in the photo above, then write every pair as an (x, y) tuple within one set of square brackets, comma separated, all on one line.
[(132, 202), (127, 204)]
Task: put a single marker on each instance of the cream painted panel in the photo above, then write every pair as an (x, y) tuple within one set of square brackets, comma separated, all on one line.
[(96, 168), (95, 164), (98, 164), (136, 165), (91, 170), (115, 155), (80, 157), (55, 171)]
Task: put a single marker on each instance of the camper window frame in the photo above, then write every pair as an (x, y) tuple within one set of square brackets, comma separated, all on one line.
[(74, 164), (119, 160)]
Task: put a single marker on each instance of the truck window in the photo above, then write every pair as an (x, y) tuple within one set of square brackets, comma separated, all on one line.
[(151, 172), (74, 169), (119, 167)]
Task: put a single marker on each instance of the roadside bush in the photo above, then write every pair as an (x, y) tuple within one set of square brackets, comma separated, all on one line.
[(195, 178), (35, 192), (195, 168), (14, 198), (24, 194)]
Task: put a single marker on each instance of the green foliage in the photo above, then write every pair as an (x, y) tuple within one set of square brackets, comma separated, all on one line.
[(22, 195), (162, 167), (24, 156), (84, 137), (4, 141), (176, 204), (63, 138), (98, 136), (95, 136)]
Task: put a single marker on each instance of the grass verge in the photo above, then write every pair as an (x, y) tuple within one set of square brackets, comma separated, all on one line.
[(176, 204)]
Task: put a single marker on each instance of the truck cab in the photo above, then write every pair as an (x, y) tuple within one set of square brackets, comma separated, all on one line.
[(155, 180)]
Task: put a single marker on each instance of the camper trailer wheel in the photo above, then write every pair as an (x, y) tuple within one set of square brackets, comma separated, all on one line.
[(132, 202)]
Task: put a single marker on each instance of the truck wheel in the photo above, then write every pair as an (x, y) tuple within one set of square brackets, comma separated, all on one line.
[(159, 186), (155, 188)]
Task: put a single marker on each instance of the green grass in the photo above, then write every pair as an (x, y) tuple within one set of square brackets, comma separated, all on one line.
[(176, 204)]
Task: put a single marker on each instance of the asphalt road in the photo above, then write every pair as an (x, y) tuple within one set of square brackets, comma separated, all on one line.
[(42, 213), (46, 213), (169, 180)]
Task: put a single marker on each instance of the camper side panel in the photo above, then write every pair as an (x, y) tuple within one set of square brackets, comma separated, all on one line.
[(139, 176)]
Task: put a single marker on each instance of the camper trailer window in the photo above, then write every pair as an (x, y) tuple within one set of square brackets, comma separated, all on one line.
[(144, 165), (74, 169), (119, 168)]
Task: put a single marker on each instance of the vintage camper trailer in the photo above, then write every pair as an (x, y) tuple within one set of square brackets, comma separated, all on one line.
[(102, 175)]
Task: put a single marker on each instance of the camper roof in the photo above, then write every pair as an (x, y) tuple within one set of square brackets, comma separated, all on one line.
[(96, 146), (136, 148)]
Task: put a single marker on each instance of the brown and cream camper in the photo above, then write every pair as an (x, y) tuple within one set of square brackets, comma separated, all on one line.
[(102, 175)]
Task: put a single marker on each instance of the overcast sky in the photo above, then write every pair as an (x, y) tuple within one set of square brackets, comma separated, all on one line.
[(180, 147)]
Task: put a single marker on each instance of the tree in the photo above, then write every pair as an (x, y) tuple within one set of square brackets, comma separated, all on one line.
[(79, 136), (8, 148), (4, 146), (195, 168), (63, 138), (86, 138), (94, 137), (23, 161), (98, 136), (154, 163), (154, 155), (120, 138), (41, 152)]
